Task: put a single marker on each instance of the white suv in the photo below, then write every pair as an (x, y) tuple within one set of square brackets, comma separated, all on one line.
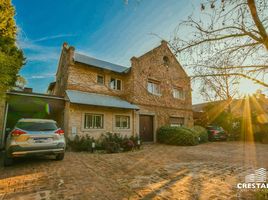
[(34, 137)]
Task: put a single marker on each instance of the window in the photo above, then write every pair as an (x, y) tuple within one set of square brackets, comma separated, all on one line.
[(122, 121), (116, 84), (37, 126), (176, 121), (100, 79), (153, 88), (165, 60), (93, 121), (178, 93)]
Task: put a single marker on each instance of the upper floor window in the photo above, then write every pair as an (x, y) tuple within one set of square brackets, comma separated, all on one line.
[(154, 87), (178, 93), (93, 121), (100, 79), (122, 121), (116, 84)]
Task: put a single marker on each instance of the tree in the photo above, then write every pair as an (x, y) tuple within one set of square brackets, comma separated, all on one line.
[(227, 41), (11, 57)]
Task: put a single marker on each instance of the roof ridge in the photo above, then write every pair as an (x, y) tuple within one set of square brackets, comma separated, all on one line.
[(82, 54)]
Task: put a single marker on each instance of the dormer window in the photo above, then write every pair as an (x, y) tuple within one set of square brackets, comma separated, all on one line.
[(154, 87), (116, 84), (100, 79)]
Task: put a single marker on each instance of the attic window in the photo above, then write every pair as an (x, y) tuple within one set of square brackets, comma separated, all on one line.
[(100, 79), (165, 60), (116, 84)]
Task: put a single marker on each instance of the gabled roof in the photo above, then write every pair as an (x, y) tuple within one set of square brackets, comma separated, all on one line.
[(99, 63), (87, 98)]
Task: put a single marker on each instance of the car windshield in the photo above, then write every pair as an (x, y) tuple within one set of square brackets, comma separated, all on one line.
[(37, 126)]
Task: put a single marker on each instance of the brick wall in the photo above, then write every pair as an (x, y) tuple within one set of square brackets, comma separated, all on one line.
[(76, 119), (151, 66), (84, 78), (65, 62)]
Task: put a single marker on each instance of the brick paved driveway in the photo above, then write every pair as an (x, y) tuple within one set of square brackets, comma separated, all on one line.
[(207, 171)]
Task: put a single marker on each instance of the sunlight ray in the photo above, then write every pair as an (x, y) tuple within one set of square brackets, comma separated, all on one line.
[(249, 150)]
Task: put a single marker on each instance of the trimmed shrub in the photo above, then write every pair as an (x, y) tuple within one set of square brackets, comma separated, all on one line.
[(110, 142), (83, 143), (135, 140), (112, 147), (127, 144), (177, 136), (202, 133)]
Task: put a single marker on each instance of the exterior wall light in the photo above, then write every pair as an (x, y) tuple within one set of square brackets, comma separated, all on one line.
[(93, 146)]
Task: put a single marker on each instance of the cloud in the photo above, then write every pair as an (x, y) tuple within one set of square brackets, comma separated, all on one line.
[(43, 76), (36, 52), (53, 37)]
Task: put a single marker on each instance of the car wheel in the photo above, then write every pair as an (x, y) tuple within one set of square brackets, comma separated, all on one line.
[(60, 156), (7, 161)]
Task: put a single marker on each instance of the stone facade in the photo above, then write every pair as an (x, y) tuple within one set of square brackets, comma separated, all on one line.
[(83, 78), (77, 116), (158, 65), (169, 74)]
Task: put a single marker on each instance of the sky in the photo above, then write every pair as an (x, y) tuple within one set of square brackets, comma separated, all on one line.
[(110, 30)]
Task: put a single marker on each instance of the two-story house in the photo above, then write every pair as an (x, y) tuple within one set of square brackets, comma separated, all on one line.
[(105, 97)]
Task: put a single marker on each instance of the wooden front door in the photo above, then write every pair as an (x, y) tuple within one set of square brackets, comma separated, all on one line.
[(146, 128)]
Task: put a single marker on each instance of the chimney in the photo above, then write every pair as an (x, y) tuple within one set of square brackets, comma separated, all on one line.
[(65, 45), (164, 42)]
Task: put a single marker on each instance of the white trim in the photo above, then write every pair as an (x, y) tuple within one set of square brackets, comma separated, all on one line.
[(121, 89), (92, 129), (122, 129), (179, 92)]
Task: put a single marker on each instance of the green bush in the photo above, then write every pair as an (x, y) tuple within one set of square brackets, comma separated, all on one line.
[(127, 144), (110, 142), (202, 133), (83, 143), (177, 136)]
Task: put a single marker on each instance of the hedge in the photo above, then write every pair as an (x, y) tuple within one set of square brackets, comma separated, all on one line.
[(202, 133), (177, 136), (109, 142)]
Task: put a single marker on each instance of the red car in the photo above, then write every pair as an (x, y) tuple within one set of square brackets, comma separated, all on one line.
[(216, 133)]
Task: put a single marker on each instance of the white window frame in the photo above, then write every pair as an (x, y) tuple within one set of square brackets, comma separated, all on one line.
[(114, 87), (93, 121), (121, 122), (178, 93), (153, 87)]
